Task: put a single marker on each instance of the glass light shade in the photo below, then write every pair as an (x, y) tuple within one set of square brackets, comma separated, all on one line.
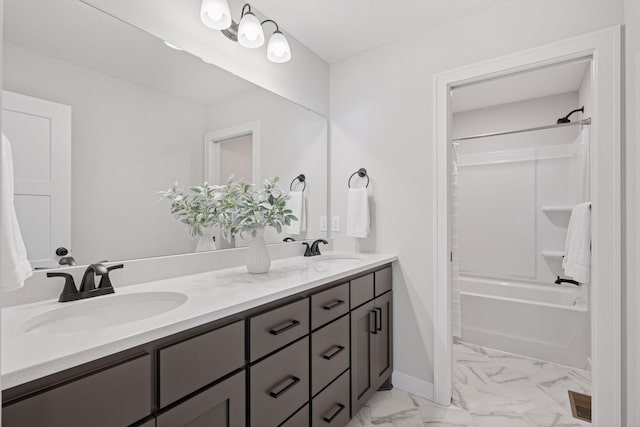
[(278, 49), (215, 14), (250, 31)]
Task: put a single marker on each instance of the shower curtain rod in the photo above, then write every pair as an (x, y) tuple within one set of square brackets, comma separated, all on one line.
[(509, 132)]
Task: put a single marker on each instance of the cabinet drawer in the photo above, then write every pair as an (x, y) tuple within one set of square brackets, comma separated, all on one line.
[(189, 365), (279, 385), (221, 405), (300, 419), (329, 353), (383, 281), (278, 327), (117, 396), (331, 407), (329, 305), (361, 290)]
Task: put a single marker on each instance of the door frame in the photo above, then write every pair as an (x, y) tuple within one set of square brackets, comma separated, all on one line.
[(212, 149), (605, 50)]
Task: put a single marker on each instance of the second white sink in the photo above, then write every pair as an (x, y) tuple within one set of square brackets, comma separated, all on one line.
[(102, 312)]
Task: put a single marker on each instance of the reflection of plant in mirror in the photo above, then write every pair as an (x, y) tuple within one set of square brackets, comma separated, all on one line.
[(244, 210), (235, 207), (199, 209)]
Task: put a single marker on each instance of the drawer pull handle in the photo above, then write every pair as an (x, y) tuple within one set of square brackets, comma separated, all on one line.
[(375, 321), (339, 408), (339, 349), (285, 327), (334, 304), (291, 381), (379, 319)]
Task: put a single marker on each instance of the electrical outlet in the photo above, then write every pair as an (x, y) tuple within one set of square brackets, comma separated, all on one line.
[(335, 223), (323, 223)]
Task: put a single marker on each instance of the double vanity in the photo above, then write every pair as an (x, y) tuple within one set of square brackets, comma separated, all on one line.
[(305, 345)]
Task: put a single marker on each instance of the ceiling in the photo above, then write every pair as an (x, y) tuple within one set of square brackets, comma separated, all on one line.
[(519, 87), (336, 29), (77, 33)]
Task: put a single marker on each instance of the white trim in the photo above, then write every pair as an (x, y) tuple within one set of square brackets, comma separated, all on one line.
[(212, 150), (412, 385), (604, 48)]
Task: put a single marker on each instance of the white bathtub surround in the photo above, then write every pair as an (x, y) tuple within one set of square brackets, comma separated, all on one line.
[(358, 216), (491, 389), (14, 266), (210, 296), (577, 252), (542, 322), (258, 259)]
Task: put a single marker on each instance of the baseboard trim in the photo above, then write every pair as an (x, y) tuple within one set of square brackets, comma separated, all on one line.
[(413, 385)]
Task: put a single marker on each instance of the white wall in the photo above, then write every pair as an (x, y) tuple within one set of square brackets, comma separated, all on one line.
[(381, 119), (305, 79), (293, 140), (128, 142), (631, 295), (502, 228)]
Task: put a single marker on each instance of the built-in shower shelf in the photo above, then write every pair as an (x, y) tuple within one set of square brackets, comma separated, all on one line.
[(553, 254), (557, 209)]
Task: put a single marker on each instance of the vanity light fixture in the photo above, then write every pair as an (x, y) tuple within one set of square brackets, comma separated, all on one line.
[(248, 32), (215, 14)]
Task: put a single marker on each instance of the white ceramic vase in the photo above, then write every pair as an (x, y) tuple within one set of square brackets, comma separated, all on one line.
[(258, 259), (206, 242)]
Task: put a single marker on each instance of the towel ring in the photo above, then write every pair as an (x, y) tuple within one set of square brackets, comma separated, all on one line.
[(302, 179), (362, 172)]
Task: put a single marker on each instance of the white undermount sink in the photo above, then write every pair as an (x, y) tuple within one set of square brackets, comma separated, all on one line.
[(102, 312), (337, 258)]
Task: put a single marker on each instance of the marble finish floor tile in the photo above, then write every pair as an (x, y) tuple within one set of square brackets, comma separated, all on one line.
[(490, 388)]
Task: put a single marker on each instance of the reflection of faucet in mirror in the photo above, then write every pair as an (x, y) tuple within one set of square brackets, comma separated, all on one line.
[(288, 239), (67, 260)]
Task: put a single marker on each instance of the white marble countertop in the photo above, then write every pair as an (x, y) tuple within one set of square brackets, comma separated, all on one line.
[(27, 356)]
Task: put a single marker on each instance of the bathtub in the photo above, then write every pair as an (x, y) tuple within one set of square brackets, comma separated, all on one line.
[(543, 322)]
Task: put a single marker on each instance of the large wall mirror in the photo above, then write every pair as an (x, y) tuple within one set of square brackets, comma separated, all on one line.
[(101, 116)]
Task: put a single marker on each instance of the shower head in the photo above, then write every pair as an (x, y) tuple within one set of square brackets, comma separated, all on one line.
[(565, 119)]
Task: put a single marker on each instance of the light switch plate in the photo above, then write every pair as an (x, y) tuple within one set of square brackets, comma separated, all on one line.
[(323, 223), (335, 223)]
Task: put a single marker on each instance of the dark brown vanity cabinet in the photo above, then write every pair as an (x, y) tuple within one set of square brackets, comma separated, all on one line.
[(371, 341), (311, 359)]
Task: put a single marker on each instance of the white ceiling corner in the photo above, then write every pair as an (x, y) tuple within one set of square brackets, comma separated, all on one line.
[(337, 29)]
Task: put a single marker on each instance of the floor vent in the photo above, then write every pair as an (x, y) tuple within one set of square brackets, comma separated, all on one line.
[(580, 405)]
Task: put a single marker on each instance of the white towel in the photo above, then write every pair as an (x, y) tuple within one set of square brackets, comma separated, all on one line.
[(358, 220), (14, 266), (296, 204), (577, 251)]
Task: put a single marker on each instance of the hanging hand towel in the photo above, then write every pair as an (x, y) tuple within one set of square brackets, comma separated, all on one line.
[(577, 252), (296, 204), (358, 222), (14, 266)]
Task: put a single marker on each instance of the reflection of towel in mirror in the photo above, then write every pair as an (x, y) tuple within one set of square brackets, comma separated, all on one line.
[(358, 221), (14, 266), (296, 204), (577, 251)]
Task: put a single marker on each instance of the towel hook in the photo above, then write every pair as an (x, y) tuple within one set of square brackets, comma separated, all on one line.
[(302, 179), (362, 172)]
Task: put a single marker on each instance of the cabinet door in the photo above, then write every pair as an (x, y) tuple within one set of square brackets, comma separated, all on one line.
[(383, 340), (220, 405), (363, 332)]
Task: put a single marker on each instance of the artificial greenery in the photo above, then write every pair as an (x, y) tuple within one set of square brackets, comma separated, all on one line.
[(235, 207)]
